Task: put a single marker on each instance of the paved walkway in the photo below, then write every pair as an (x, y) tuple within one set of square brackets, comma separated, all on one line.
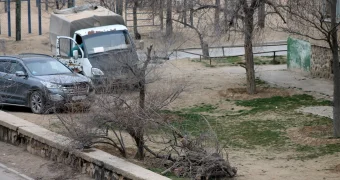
[(325, 111), (282, 77)]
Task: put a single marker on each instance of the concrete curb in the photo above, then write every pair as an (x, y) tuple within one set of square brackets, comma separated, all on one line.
[(98, 164)]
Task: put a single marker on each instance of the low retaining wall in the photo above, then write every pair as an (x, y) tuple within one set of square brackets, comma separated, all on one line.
[(42, 142)]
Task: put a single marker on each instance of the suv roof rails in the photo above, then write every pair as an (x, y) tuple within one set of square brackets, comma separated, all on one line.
[(34, 54)]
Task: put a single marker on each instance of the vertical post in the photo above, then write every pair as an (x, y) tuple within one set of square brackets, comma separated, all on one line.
[(46, 5), (9, 17), (223, 51), (200, 58), (210, 61), (39, 16), (18, 20), (274, 61), (29, 16)]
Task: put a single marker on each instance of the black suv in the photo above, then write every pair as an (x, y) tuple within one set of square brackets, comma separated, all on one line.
[(41, 82)]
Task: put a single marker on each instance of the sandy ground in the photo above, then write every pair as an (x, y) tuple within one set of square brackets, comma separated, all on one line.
[(204, 85), (36, 167)]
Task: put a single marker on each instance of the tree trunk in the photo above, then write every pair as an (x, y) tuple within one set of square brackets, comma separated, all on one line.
[(169, 18), (225, 15), (161, 14), (248, 48), (204, 46), (119, 7), (262, 14), (185, 7), (139, 139), (18, 20), (191, 6), (336, 71), (142, 90), (217, 15), (134, 13), (69, 4)]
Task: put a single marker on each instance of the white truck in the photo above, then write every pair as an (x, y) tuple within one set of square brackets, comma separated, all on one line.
[(93, 41)]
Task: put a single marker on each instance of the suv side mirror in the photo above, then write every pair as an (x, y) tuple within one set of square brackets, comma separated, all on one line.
[(75, 54), (20, 74)]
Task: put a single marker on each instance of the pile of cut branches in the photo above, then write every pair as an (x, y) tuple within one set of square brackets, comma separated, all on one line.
[(198, 157), (199, 163)]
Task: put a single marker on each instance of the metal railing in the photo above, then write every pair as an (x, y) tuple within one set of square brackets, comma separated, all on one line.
[(218, 57)]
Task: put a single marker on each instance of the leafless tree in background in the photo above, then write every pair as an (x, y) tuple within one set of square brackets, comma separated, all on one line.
[(245, 11), (317, 21)]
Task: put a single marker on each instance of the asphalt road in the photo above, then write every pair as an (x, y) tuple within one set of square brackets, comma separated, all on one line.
[(10, 174)]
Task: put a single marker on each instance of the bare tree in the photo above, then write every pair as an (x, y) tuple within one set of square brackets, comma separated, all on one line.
[(317, 21), (121, 110), (336, 71), (246, 11)]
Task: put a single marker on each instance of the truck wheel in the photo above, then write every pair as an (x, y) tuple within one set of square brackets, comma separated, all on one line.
[(37, 103)]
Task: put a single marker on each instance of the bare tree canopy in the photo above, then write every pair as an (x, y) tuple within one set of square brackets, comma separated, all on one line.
[(317, 21)]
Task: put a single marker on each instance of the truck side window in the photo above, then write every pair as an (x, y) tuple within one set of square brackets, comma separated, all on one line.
[(78, 39)]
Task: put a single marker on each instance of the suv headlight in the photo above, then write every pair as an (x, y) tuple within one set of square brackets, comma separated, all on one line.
[(49, 85), (97, 72)]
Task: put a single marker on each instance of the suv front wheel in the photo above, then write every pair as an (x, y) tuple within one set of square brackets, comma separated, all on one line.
[(37, 102)]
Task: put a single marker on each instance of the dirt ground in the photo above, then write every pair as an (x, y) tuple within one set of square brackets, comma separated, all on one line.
[(204, 85), (213, 86)]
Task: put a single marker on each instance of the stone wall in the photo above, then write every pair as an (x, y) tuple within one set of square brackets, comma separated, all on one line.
[(42, 142), (321, 62)]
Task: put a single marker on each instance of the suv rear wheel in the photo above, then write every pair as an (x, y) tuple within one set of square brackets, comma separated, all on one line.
[(37, 102)]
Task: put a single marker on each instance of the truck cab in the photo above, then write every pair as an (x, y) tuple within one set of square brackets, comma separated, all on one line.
[(98, 45)]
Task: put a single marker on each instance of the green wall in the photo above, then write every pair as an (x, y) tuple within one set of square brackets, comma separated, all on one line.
[(299, 54)]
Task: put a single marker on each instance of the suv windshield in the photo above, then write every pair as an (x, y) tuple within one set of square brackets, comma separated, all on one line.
[(106, 41), (41, 67)]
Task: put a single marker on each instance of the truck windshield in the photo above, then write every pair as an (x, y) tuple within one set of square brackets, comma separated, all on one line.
[(106, 41), (43, 67)]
